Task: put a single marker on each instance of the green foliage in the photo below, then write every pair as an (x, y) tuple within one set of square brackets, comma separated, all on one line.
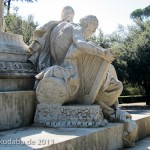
[(100, 40), (136, 56), (132, 99), (132, 47), (130, 89), (115, 41), (138, 13), (138, 48), (147, 11), (141, 13), (17, 25)]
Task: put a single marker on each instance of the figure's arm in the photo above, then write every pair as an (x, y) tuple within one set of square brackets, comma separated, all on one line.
[(90, 48)]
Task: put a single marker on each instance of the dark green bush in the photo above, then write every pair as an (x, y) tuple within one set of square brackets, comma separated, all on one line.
[(132, 99)]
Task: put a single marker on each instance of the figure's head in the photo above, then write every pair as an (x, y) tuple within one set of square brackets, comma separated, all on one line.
[(67, 14), (89, 24)]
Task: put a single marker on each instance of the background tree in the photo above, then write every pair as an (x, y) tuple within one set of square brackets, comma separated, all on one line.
[(146, 11), (16, 24), (137, 51), (141, 13), (138, 57), (101, 39), (115, 41), (132, 47)]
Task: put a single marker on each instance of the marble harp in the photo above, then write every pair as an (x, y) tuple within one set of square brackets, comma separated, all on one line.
[(92, 73)]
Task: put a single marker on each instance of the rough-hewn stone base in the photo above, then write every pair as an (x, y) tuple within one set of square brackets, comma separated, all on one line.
[(17, 109), (69, 116)]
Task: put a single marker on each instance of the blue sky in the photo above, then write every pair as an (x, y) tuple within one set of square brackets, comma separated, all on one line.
[(110, 13)]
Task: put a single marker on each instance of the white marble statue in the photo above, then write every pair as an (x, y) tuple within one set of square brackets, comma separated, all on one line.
[(67, 14), (41, 41), (73, 70)]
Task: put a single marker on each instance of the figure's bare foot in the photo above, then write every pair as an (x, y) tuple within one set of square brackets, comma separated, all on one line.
[(105, 107), (104, 123), (108, 111)]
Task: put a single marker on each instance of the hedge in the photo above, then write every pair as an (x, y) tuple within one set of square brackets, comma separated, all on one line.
[(132, 99)]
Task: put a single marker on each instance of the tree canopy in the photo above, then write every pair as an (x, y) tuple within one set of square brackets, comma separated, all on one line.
[(141, 13), (138, 56), (16, 24), (132, 47)]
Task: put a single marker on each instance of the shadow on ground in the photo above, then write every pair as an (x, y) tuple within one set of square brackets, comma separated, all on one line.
[(136, 108)]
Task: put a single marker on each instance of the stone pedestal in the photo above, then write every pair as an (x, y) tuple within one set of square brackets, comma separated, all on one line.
[(13, 48), (68, 116), (17, 98), (17, 109), (16, 76)]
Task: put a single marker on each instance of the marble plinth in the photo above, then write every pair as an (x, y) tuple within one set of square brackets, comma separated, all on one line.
[(69, 116)]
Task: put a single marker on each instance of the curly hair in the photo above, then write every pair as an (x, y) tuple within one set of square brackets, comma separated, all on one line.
[(90, 19)]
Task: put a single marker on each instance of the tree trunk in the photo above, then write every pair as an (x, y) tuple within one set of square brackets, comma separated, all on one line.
[(1, 15), (147, 92), (8, 7)]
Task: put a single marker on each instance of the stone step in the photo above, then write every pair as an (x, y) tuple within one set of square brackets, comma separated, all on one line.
[(105, 138), (141, 145), (17, 109), (143, 122)]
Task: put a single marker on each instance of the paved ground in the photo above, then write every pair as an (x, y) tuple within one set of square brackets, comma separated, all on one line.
[(141, 145), (136, 108)]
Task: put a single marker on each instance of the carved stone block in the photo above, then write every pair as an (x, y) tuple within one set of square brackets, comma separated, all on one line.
[(16, 76), (68, 116)]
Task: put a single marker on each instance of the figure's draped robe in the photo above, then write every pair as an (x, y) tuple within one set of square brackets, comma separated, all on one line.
[(41, 48)]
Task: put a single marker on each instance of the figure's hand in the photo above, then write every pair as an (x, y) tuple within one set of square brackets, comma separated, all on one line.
[(109, 54)]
